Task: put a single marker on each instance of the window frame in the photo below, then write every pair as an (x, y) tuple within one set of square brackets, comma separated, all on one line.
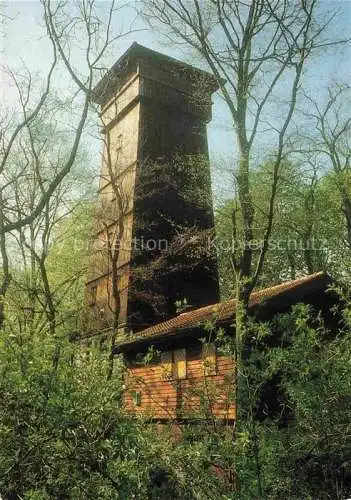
[(174, 364)]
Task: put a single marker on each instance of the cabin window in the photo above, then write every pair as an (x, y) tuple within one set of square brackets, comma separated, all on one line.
[(179, 364), (136, 396), (173, 364), (209, 359), (166, 364)]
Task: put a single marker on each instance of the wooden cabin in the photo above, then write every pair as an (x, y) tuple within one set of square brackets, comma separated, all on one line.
[(192, 382), (153, 108), (187, 377)]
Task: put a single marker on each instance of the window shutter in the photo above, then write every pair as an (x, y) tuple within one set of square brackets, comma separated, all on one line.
[(166, 365), (209, 359), (179, 364)]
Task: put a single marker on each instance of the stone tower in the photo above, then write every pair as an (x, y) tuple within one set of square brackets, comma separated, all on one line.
[(156, 217)]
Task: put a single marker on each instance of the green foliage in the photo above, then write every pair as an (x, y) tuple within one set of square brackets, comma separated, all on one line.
[(309, 231), (302, 412), (67, 262), (62, 433)]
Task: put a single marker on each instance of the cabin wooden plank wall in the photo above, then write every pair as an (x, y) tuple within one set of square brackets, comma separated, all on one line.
[(187, 383)]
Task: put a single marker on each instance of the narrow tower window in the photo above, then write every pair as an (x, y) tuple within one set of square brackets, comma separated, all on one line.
[(92, 295)]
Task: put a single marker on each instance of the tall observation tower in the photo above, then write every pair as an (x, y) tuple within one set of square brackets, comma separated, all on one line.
[(151, 248)]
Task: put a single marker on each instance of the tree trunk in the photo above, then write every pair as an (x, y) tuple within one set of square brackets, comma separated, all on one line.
[(347, 213)]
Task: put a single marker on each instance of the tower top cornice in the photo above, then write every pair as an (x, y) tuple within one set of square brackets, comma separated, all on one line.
[(142, 60)]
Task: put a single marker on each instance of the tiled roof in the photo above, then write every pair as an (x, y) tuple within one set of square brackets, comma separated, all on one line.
[(221, 312)]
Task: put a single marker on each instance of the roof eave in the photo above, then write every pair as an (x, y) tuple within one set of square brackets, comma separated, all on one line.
[(137, 50), (320, 282)]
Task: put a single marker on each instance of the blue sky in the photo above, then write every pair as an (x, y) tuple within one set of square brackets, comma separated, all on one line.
[(22, 40)]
